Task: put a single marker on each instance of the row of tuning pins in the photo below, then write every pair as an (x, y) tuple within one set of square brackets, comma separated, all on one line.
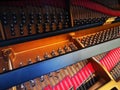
[(42, 23), (100, 37), (80, 22), (66, 49), (54, 22), (54, 78), (83, 16)]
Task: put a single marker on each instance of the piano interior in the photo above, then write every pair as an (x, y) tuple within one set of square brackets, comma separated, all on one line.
[(59, 45)]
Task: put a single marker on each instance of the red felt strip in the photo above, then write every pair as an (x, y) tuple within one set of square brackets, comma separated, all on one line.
[(111, 59)]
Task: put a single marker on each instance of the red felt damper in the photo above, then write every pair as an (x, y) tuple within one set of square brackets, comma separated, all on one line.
[(82, 75), (111, 59)]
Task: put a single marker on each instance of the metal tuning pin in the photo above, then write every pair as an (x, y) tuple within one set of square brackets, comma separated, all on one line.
[(66, 48), (32, 82), (11, 25), (46, 56), (38, 58), (73, 47), (4, 70), (22, 87), (50, 74), (13, 34), (39, 27), (21, 64), (53, 53), (60, 51), (29, 61), (21, 29), (41, 78)]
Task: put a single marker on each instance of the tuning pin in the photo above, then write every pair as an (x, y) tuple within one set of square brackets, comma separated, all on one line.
[(20, 25), (29, 29), (12, 29), (22, 87), (53, 53), (5, 22), (73, 47), (32, 82), (21, 33), (66, 49), (38, 58), (46, 56), (29, 61), (60, 51), (21, 64), (11, 25), (12, 33), (4, 70), (39, 27), (41, 78), (50, 75)]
